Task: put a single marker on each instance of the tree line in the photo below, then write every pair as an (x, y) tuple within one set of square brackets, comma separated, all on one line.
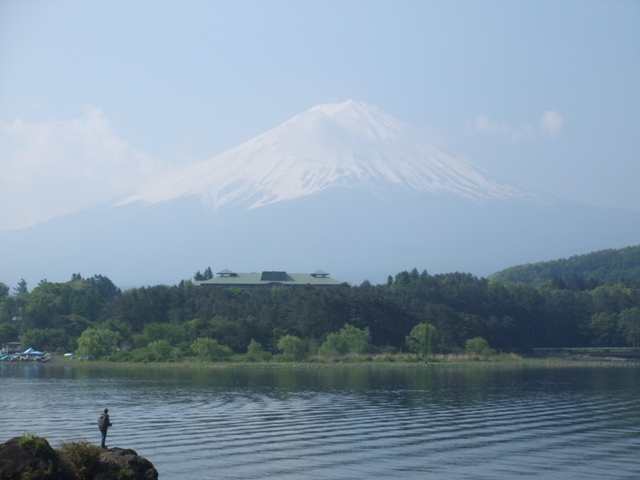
[(412, 312)]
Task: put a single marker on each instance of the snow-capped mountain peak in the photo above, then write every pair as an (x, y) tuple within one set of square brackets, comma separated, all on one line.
[(349, 144), (362, 119)]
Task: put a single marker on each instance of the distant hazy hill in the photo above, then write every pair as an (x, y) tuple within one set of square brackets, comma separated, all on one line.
[(608, 266)]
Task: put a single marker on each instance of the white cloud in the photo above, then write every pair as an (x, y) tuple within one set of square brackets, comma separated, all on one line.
[(551, 124), (59, 166), (485, 125)]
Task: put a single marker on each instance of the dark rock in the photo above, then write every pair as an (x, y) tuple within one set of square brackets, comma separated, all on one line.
[(113, 461), (31, 457)]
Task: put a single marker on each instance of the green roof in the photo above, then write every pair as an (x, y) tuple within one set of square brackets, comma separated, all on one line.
[(230, 278)]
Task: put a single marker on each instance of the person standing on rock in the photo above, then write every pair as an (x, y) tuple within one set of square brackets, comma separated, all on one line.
[(103, 424)]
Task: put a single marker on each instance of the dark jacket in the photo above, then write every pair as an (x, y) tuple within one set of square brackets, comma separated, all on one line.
[(103, 421)]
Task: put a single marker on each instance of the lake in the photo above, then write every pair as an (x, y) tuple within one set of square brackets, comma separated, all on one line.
[(427, 422)]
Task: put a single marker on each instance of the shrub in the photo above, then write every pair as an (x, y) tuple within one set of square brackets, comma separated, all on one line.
[(478, 346), (82, 456), (255, 352), (176, 354), (334, 345), (210, 348), (357, 339), (124, 474), (161, 349), (349, 339), (141, 354), (31, 442), (292, 348), (122, 356)]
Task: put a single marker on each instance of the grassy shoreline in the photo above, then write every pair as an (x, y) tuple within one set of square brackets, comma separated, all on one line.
[(546, 360)]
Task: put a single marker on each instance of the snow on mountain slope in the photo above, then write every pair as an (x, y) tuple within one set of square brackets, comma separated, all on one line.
[(349, 144)]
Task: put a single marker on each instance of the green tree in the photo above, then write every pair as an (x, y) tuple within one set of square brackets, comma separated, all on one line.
[(10, 309), (255, 352), (21, 290), (448, 323), (210, 349), (232, 332), (208, 274), (4, 290), (103, 285), (358, 339), (140, 306), (196, 328), (48, 339), (630, 323), (477, 346), (349, 339), (423, 339), (41, 306), (73, 325), (160, 349), (292, 348), (606, 330), (98, 342), (20, 300), (8, 333), (334, 345), (85, 302), (174, 334)]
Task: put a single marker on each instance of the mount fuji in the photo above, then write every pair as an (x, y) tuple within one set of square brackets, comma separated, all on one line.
[(349, 144), (344, 188)]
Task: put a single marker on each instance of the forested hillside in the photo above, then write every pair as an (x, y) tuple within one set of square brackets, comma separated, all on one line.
[(413, 311), (605, 266)]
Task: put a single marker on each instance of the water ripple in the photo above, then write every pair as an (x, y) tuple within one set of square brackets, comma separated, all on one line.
[(501, 426)]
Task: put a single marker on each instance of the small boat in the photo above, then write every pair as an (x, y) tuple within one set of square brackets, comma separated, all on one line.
[(45, 358), (29, 355)]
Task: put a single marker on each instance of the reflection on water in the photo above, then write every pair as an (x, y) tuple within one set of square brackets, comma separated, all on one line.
[(414, 422)]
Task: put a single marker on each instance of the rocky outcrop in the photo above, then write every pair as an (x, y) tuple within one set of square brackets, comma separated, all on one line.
[(116, 460), (31, 457)]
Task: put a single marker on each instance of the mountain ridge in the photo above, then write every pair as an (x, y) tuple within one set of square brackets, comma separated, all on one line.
[(350, 144), (608, 266)]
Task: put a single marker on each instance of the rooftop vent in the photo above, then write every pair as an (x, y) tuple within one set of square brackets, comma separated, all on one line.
[(227, 273), (274, 277)]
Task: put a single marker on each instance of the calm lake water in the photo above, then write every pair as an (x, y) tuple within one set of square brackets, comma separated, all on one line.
[(342, 423)]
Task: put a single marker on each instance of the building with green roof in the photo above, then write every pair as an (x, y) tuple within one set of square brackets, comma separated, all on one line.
[(229, 278)]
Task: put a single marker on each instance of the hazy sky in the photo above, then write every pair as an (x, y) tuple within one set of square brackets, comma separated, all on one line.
[(97, 97)]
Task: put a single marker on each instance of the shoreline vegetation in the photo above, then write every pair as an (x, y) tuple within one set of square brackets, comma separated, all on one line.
[(443, 319), (563, 358)]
